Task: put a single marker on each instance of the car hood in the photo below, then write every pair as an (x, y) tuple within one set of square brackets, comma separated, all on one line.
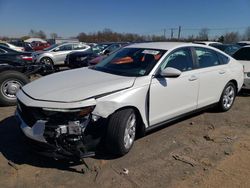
[(246, 65), (76, 85)]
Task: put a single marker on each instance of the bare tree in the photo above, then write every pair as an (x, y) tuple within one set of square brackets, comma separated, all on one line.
[(231, 37), (203, 34), (247, 34), (53, 35), (40, 34)]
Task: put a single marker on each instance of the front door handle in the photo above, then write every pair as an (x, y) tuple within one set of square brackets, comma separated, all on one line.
[(193, 78)]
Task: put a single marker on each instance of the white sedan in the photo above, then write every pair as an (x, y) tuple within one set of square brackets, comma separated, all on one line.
[(138, 88)]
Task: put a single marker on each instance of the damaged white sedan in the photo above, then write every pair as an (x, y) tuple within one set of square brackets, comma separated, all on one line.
[(133, 90)]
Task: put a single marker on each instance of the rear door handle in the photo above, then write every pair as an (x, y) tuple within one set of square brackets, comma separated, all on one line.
[(193, 78), (222, 72)]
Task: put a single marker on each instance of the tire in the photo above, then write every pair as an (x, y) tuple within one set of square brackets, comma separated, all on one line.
[(10, 83), (227, 97), (47, 60), (121, 131)]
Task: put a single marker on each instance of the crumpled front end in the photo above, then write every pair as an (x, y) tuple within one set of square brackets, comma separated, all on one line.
[(61, 132)]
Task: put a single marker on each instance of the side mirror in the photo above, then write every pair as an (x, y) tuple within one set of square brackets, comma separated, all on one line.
[(170, 72), (56, 49)]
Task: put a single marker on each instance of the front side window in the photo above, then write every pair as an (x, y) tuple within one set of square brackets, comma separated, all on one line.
[(130, 61), (180, 59), (79, 46), (65, 47), (206, 57)]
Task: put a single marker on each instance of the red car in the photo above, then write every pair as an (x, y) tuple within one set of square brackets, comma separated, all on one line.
[(37, 46)]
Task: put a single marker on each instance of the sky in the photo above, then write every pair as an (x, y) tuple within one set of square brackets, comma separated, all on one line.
[(145, 17)]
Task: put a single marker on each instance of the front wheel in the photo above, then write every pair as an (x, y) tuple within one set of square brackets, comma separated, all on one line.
[(227, 97), (47, 60), (10, 83), (121, 131)]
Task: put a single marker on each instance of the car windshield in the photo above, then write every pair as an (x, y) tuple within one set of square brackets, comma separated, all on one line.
[(51, 47), (130, 61), (99, 48)]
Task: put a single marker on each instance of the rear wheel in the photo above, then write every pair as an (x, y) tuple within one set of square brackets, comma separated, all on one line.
[(121, 131), (10, 83), (227, 97)]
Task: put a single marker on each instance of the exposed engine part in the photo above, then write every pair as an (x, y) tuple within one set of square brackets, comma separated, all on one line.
[(69, 136), (73, 128)]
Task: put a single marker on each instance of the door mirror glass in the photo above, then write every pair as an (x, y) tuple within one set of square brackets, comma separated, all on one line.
[(170, 72), (56, 49)]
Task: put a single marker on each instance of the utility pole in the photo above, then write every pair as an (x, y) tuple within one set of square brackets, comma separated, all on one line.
[(172, 33), (179, 33), (164, 34)]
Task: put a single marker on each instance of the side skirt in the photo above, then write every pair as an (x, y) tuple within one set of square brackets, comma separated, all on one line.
[(151, 127)]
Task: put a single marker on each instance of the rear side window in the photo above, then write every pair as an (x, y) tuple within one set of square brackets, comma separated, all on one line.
[(206, 57), (223, 59), (242, 54), (180, 59)]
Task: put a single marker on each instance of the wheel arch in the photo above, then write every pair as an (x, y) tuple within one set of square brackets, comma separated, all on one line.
[(235, 84), (140, 127)]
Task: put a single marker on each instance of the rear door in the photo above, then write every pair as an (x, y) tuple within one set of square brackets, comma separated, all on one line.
[(213, 76), (171, 97)]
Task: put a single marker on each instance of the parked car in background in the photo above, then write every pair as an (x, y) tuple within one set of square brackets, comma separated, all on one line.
[(27, 46), (12, 46), (230, 49), (10, 53), (243, 43), (97, 52), (208, 43), (38, 46), (133, 90), (56, 54), (14, 73), (243, 56)]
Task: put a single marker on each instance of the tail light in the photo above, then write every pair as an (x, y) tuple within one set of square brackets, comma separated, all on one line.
[(26, 58)]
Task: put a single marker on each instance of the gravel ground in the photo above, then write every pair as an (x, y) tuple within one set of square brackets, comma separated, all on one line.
[(208, 149)]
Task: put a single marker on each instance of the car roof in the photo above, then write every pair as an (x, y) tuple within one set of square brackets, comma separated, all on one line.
[(246, 42), (206, 42), (158, 45), (247, 46)]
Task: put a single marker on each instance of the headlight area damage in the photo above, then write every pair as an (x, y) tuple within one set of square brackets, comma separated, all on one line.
[(61, 133)]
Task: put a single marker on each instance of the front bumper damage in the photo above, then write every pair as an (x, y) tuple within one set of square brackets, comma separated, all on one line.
[(59, 134)]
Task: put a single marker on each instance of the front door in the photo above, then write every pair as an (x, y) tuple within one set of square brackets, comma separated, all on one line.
[(171, 97)]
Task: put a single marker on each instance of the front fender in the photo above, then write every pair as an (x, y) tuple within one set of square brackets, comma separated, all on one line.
[(133, 97)]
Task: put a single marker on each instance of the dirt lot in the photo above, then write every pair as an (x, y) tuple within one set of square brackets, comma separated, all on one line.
[(207, 150)]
